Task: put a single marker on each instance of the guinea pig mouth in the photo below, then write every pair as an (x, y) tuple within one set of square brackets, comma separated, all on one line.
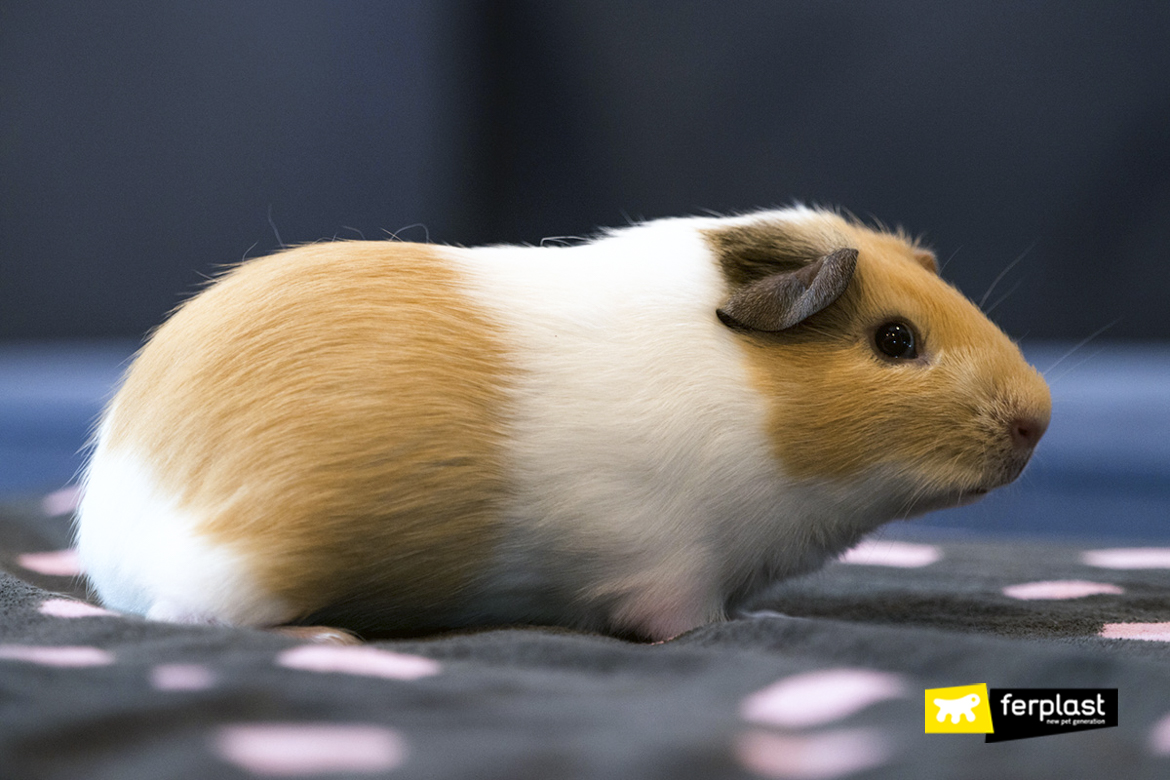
[(1009, 472), (1005, 476), (947, 500), (995, 475), (971, 496)]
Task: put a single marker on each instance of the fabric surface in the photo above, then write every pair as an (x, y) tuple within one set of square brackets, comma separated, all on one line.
[(823, 679)]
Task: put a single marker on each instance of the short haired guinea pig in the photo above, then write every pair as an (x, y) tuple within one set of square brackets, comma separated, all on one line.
[(630, 435)]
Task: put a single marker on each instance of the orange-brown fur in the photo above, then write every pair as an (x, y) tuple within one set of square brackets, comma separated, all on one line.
[(305, 410), (837, 408)]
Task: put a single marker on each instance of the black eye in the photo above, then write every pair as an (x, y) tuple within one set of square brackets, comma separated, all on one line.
[(896, 340)]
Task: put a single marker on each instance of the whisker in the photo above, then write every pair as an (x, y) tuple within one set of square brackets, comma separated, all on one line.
[(564, 240), (272, 224), (948, 262), (915, 496), (1002, 298), (1074, 366), (1080, 344), (249, 249), (1004, 273), (426, 232)]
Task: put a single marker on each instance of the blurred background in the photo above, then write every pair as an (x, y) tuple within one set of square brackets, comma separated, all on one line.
[(143, 145)]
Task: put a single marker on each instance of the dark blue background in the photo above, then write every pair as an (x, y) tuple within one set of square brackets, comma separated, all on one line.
[(142, 143)]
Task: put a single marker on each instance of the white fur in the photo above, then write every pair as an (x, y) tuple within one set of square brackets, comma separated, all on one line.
[(638, 438), (138, 549)]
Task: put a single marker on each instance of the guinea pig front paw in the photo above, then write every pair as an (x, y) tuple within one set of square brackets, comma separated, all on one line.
[(664, 613)]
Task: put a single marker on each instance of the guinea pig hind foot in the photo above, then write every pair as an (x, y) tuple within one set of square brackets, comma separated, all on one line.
[(321, 635), (166, 611)]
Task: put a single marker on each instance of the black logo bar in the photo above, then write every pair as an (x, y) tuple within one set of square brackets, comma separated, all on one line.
[(1019, 713)]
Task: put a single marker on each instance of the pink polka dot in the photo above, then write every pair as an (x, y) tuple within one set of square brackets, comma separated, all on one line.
[(293, 749), (181, 677), (903, 555), (820, 697), (1159, 739), (56, 656), (827, 754), (61, 502), (1061, 589), (69, 608), (59, 563), (361, 659), (1128, 558), (1150, 632)]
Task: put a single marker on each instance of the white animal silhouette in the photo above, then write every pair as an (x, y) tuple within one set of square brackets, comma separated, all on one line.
[(964, 705)]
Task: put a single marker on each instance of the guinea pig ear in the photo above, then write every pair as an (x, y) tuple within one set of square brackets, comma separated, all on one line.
[(926, 259), (781, 300)]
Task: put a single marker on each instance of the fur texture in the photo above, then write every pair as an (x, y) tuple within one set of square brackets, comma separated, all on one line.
[(395, 437)]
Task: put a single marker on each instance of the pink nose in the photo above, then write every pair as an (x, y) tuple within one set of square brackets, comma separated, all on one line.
[(1026, 431)]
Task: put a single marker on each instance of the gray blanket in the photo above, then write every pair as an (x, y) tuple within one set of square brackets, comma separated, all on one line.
[(824, 678)]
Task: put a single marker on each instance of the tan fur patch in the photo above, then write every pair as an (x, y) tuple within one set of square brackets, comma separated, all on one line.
[(839, 409), (336, 412)]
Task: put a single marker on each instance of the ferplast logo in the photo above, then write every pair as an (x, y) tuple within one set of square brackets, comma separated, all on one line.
[(1018, 713), (962, 709)]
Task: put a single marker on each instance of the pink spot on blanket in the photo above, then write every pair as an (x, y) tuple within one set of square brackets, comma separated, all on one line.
[(1159, 739), (56, 656), (819, 756), (1061, 589), (1150, 632), (900, 554), (61, 502), (294, 749), (363, 660), (181, 677), (69, 608), (820, 697), (59, 563), (1128, 558)]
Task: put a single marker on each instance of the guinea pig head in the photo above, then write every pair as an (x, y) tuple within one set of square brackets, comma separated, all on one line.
[(876, 372)]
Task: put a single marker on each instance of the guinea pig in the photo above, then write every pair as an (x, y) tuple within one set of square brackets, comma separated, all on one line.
[(630, 435)]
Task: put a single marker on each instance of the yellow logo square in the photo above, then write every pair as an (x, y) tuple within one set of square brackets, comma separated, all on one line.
[(963, 709)]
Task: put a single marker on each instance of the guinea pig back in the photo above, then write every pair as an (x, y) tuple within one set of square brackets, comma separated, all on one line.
[(630, 435)]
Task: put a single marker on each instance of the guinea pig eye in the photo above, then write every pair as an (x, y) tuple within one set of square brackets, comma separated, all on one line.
[(896, 340)]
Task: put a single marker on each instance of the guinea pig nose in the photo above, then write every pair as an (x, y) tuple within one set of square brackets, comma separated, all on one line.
[(1026, 431)]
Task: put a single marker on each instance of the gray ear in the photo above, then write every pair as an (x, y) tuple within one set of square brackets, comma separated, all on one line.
[(788, 298)]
